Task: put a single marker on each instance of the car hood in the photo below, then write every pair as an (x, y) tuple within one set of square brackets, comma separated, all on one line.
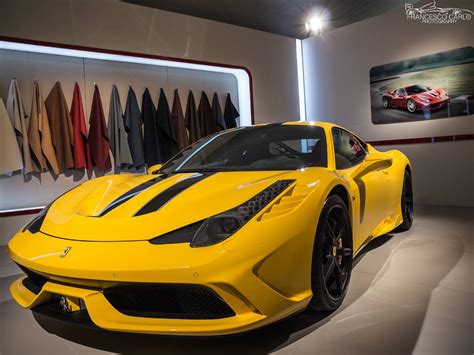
[(128, 207)]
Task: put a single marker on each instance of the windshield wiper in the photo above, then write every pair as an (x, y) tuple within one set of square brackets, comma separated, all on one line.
[(201, 169)]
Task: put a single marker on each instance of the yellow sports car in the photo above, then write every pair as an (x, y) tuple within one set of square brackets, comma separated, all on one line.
[(241, 229)]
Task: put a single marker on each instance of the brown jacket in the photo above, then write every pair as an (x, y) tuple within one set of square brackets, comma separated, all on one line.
[(177, 120), (39, 135), (61, 127)]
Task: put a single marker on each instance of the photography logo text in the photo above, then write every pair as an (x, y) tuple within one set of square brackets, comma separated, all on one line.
[(432, 14)]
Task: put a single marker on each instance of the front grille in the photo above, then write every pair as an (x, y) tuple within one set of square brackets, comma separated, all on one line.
[(34, 282), (179, 301)]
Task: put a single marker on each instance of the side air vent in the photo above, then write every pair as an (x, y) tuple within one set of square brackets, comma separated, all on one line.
[(287, 203)]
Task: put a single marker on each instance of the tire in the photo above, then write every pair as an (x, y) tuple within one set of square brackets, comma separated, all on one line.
[(385, 102), (332, 251), (406, 204), (411, 106)]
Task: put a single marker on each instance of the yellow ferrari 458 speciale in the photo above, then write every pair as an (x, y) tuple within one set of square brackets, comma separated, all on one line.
[(243, 228)]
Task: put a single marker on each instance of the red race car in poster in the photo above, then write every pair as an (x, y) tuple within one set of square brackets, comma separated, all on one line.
[(415, 98)]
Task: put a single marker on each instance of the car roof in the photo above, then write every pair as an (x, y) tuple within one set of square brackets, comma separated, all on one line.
[(325, 125)]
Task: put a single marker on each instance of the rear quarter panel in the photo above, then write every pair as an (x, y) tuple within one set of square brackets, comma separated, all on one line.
[(395, 174)]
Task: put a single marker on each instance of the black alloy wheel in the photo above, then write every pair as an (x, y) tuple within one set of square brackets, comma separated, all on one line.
[(332, 256), (406, 204)]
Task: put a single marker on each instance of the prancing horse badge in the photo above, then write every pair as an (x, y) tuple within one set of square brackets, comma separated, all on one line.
[(65, 251)]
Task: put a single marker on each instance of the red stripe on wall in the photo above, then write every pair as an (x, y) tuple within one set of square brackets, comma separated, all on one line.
[(20, 212)]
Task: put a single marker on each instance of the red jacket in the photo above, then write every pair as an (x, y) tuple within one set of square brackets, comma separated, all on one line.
[(82, 154)]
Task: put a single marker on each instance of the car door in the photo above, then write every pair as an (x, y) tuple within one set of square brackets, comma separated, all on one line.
[(371, 208), (399, 98)]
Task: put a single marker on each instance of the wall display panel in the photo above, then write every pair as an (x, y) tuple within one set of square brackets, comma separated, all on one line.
[(18, 191), (439, 85)]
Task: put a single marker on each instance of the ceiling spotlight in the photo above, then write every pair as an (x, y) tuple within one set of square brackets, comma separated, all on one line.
[(314, 25)]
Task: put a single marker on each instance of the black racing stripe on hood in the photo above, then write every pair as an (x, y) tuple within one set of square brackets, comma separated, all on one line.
[(129, 194), (159, 200)]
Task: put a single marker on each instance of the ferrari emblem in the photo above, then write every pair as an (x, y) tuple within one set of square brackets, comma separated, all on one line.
[(65, 251)]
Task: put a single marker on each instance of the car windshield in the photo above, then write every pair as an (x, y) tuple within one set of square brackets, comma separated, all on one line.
[(416, 89), (269, 147)]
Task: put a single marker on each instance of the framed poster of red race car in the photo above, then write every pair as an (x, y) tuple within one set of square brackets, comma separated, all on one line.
[(434, 86)]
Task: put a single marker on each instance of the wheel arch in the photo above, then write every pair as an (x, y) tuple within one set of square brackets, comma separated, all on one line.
[(342, 191), (408, 168)]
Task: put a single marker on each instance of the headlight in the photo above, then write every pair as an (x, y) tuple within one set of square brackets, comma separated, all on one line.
[(34, 226), (217, 228)]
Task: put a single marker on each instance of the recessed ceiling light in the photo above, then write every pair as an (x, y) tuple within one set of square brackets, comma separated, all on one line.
[(314, 25)]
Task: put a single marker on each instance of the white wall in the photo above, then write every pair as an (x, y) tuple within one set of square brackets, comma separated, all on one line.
[(336, 69)]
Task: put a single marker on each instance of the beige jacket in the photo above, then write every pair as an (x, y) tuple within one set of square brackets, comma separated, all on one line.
[(10, 155), (19, 120)]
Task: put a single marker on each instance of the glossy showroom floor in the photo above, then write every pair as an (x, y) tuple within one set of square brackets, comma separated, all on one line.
[(410, 293)]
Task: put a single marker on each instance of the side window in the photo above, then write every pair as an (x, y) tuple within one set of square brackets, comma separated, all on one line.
[(349, 150), (400, 92)]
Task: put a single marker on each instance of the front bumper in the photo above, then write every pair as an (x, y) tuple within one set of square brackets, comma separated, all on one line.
[(434, 105), (105, 316), (231, 272)]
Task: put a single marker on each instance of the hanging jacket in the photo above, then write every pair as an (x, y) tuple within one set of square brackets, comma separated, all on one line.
[(191, 119), (98, 134), (230, 113), (177, 119), (217, 113), (19, 121), (207, 122), (166, 135), (10, 154), (133, 126), (81, 149), (61, 127), (39, 135), (150, 131), (117, 134)]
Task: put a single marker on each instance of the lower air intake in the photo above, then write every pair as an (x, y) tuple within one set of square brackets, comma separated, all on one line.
[(168, 301), (34, 282)]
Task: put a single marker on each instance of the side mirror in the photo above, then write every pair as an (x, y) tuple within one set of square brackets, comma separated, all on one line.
[(372, 162), (153, 168)]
